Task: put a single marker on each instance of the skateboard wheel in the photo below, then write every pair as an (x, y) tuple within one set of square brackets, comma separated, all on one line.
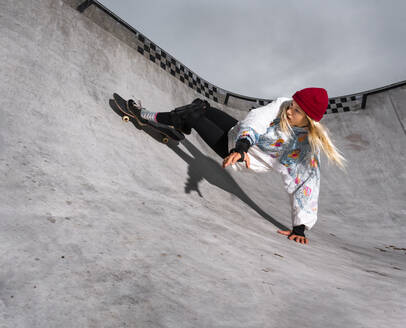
[(126, 119), (165, 140)]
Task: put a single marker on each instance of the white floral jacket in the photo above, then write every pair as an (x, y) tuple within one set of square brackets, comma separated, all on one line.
[(271, 149)]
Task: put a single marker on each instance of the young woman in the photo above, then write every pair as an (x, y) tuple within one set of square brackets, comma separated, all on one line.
[(284, 136)]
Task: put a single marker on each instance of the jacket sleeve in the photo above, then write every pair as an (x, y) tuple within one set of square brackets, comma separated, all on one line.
[(257, 121), (303, 188)]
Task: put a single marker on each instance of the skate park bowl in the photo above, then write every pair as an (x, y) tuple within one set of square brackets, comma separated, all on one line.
[(102, 225)]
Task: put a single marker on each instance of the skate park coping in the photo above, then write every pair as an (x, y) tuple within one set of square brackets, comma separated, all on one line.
[(107, 19)]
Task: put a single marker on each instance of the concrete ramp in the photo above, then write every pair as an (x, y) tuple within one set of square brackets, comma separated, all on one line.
[(101, 225)]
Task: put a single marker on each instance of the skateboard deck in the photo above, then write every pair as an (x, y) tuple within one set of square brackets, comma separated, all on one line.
[(166, 132)]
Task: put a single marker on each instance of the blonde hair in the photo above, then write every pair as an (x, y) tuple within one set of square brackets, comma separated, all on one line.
[(318, 136)]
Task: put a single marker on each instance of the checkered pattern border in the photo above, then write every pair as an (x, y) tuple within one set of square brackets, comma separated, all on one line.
[(158, 56), (335, 105), (344, 104)]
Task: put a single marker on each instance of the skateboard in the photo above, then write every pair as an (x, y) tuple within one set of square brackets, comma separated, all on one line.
[(166, 132)]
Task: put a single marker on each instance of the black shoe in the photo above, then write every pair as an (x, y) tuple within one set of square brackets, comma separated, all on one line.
[(135, 110), (203, 103)]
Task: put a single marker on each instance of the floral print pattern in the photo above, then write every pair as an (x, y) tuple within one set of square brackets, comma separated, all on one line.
[(301, 167), (278, 143)]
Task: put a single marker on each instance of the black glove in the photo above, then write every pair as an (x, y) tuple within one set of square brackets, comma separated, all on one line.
[(241, 147), (298, 230)]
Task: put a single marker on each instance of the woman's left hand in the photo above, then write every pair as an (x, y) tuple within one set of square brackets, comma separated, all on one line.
[(296, 238), (234, 157)]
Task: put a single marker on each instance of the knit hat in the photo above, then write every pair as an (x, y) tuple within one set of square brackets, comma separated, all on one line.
[(313, 101)]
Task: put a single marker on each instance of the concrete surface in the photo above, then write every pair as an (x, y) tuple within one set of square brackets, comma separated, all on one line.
[(103, 226)]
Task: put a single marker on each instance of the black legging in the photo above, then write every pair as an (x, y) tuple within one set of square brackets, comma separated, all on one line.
[(212, 127)]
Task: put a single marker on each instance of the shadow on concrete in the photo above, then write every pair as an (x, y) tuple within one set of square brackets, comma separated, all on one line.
[(203, 167)]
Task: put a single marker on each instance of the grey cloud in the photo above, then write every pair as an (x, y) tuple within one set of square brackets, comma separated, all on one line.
[(272, 48)]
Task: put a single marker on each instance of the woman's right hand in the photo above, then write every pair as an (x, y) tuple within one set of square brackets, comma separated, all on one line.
[(296, 238), (234, 157)]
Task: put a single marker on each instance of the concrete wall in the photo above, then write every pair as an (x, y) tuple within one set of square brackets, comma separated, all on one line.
[(101, 225)]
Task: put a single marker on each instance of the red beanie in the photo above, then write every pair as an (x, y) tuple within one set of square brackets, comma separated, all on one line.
[(313, 101)]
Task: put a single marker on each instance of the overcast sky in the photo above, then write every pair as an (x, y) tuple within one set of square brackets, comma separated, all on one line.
[(270, 48)]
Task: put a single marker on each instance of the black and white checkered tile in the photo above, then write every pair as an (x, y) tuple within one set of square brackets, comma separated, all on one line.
[(344, 104), (155, 54), (335, 105), (158, 56)]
